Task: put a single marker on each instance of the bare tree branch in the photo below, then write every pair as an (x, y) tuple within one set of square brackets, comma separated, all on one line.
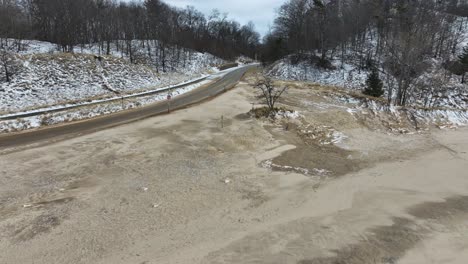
[(270, 92)]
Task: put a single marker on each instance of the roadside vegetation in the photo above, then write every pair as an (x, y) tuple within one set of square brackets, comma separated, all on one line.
[(415, 46), (177, 44), (270, 92)]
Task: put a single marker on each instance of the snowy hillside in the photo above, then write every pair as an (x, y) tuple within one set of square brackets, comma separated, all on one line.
[(345, 75), (42, 76), (46, 79), (435, 87)]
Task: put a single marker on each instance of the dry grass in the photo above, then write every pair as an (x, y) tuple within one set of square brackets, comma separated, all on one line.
[(265, 112), (328, 90)]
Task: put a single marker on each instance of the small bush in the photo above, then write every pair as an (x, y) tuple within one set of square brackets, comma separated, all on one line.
[(265, 112)]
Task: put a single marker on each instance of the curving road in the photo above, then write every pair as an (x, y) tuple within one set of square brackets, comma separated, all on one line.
[(60, 132)]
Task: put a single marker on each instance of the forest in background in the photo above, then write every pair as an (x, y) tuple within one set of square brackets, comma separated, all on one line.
[(414, 46), (71, 23), (398, 38)]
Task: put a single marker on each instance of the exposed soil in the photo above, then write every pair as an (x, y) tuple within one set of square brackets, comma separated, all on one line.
[(388, 244), (210, 184)]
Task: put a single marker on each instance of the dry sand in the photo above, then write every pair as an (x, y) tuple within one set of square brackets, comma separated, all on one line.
[(184, 188)]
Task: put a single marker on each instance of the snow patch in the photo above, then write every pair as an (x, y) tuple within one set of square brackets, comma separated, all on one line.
[(268, 164), (287, 114)]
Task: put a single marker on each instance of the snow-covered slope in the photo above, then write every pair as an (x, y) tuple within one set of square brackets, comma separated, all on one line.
[(344, 75), (44, 76), (49, 79), (436, 87)]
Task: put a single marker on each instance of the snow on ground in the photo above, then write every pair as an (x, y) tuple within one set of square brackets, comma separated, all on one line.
[(345, 75), (93, 108), (394, 117), (287, 114), (148, 52), (268, 164), (435, 88), (324, 135), (46, 80), (144, 52), (91, 111), (44, 77), (350, 107)]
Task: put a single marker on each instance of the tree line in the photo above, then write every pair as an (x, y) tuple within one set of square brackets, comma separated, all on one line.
[(70, 23), (391, 36)]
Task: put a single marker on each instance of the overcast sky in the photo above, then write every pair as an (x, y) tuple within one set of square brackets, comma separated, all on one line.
[(261, 12)]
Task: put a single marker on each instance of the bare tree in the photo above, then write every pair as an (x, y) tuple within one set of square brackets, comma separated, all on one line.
[(401, 38), (127, 24), (270, 92), (8, 64)]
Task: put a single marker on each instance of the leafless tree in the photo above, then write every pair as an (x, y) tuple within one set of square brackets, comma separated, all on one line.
[(271, 93), (127, 26), (8, 64), (399, 37)]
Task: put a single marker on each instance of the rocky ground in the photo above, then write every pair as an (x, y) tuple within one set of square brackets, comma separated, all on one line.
[(210, 184)]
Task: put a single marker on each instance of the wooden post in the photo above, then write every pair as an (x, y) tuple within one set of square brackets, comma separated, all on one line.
[(169, 97)]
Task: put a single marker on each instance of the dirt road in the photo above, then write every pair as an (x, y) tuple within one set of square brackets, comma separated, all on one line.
[(187, 188), (88, 126)]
